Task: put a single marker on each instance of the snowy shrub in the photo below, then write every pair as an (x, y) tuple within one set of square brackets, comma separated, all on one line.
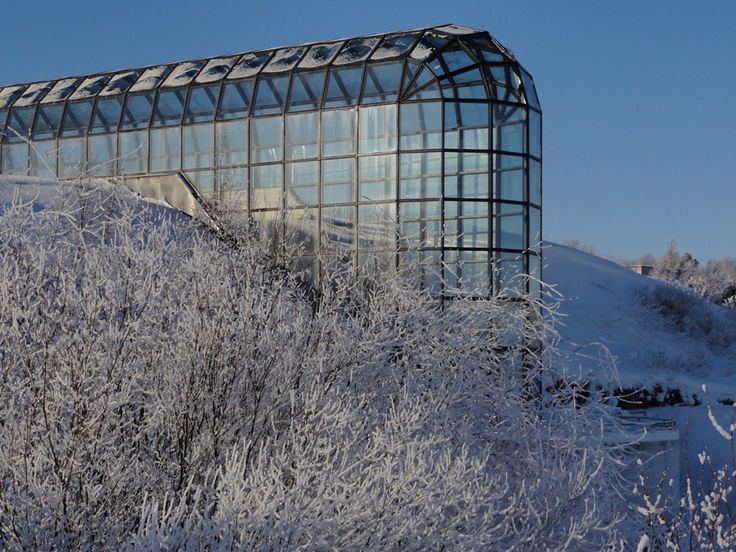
[(161, 388)]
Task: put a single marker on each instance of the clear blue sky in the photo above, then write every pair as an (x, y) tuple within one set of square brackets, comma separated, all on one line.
[(638, 96)]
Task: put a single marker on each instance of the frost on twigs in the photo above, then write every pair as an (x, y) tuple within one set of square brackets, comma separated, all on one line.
[(162, 388)]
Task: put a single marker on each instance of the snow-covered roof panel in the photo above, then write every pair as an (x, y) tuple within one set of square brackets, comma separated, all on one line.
[(90, 87), (356, 50), (183, 74), (249, 65), (61, 90), (151, 78), (457, 29), (9, 94), (395, 46), (320, 55), (34, 93), (284, 59), (120, 83), (216, 69)]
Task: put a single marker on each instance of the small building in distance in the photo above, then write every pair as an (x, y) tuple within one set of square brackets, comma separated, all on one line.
[(644, 270)]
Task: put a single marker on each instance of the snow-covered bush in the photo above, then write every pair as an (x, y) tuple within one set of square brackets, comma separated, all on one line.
[(161, 388)]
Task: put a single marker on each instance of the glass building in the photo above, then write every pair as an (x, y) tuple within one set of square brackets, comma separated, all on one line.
[(423, 144)]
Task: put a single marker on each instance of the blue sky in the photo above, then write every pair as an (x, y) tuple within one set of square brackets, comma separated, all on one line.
[(638, 96)]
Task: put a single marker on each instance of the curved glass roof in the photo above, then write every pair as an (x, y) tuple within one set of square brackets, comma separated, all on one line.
[(444, 61)]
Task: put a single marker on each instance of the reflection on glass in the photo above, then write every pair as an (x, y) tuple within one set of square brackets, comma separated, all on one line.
[(508, 177), (267, 184), (306, 91), (76, 118), (535, 182), (47, 122), (266, 140), (377, 178), (377, 128), (302, 183), (509, 226), (466, 125), (137, 111), (270, 95), (301, 136), (107, 114), (43, 159), (102, 154), (466, 175), (421, 125), (466, 224), (338, 132), (199, 146), (169, 107), (15, 159), (420, 175), (508, 128), (235, 102), (377, 226), (338, 181), (134, 152), (466, 272), (382, 82), (165, 149), (343, 87), (420, 224), (72, 154), (232, 143), (338, 226), (202, 103)]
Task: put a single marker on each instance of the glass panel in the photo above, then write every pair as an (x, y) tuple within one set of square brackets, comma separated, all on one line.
[(270, 95), (107, 115), (535, 182), (76, 118), (465, 85), (535, 134), (466, 224), (284, 59), (382, 82), (182, 74), (509, 226), (102, 154), (394, 46), (203, 181), (235, 101), (249, 65), (319, 55), (529, 89), (232, 143), (509, 274), (378, 128), (377, 178), (232, 187), (3, 119), (467, 271), (425, 266), (421, 125), (15, 159), (303, 225), (428, 45), (202, 104), (306, 91), (43, 159), (377, 226), (90, 87), (47, 122), (486, 49), (508, 128), (302, 137), (535, 228), (535, 275), (338, 226), (420, 175), (215, 70), (33, 94), (456, 59), (165, 149), (169, 107), (151, 78), (199, 146), (343, 87), (466, 175), (9, 94), (267, 183), (19, 124), (356, 50), (302, 183), (430, 92), (134, 152), (137, 111), (466, 125), (72, 154), (338, 181), (266, 140), (420, 224), (61, 90), (120, 83), (338, 132), (508, 177)]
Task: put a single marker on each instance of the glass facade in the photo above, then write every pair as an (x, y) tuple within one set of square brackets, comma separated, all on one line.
[(427, 143)]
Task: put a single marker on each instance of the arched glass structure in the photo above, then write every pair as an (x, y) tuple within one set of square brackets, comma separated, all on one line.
[(426, 142)]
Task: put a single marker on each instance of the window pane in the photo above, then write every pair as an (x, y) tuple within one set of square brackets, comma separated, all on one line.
[(395, 45), (102, 154), (338, 132), (377, 178), (466, 175), (421, 125), (509, 274), (338, 181), (134, 152), (301, 136), (531, 92), (72, 154), (425, 266), (15, 159), (302, 183), (338, 226), (107, 114), (508, 128), (47, 121), (535, 275), (266, 182), (232, 143), (137, 111), (169, 107), (535, 228), (203, 181), (165, 149), (535, 182), (420, 175), (343, 87), (232, 187), (466, 125), (420, 224), (202, 104), (306, 91), (509, 226), (377, 226), (464, 85), (76, 118), (466, 224), (43, 159), (467, 272), (377, 128), (199, 146), (235, 102), (508, 177), (19, 124), (535, 134), (357, 49), (266, 140), (382, 82), (270, 95), (3, 119), (455, 59)]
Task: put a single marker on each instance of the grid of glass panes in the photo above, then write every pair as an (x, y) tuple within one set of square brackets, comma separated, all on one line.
[(421, 140)]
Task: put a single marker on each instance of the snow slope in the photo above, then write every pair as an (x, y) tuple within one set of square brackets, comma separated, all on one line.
[(658, 334)]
